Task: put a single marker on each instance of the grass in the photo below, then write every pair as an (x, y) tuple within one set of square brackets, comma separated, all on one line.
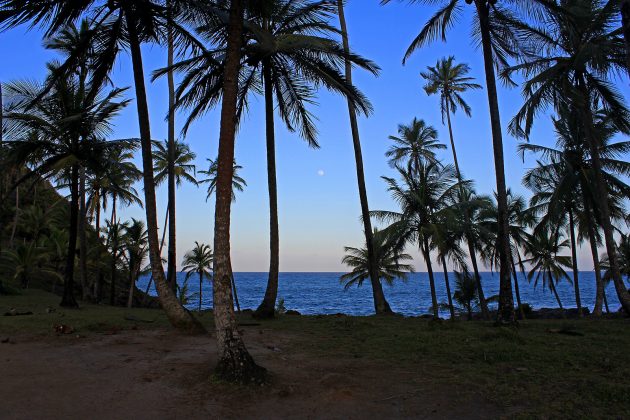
[(542, 368)]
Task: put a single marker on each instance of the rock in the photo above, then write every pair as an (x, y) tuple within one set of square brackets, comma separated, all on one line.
[(292, 312)]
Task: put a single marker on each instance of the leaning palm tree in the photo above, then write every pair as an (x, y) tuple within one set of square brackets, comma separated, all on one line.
[(390, 262), (173, 161), (492, 27), (58, 131), (117, 25), (542, 250), (415, 144), (290, 46), (199, 261), (572, 58)]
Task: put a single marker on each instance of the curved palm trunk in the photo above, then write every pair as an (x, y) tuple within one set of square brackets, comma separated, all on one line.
[(146, 292), (380, 302), (235, 363), (555, 293), (602, 199), (68, 300), (85, 288), (427, 260), (171, 268), (576, 280), (200, 290), (267, 307), (471, 247), (606, 301), (178, 316), (448, 290), (517, 290), (505, 313)]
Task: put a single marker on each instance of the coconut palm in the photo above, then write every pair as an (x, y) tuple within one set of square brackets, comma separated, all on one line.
[(135, 244), (390, 261), (115, 231), (173, 160), (238, 183), (118, 25), (199, 261), (380, 303), (571, 61), (415, 144), (465, 292), (623, 253), (26, 262), (542, 250), (493, 29)]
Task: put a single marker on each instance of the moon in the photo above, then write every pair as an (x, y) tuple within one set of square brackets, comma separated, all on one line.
[(320, 172)]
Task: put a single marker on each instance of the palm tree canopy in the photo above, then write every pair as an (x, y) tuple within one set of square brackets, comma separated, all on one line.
[(198, 261), (184, 170), (238, 183), (415, 144)]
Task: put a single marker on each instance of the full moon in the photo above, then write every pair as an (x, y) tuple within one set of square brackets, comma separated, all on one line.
[(320, 172)]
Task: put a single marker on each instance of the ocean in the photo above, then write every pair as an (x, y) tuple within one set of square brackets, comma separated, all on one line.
[(321, 293)]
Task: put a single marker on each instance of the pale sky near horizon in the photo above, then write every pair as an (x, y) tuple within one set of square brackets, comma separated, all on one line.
[(317, 193)]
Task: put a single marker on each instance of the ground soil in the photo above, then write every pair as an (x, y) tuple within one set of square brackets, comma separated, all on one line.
[(160, 374)]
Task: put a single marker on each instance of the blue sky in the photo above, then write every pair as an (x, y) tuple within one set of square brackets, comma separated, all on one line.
[(318, 200)]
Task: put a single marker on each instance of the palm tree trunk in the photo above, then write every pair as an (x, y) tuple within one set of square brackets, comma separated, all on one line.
[(15, 216), (602, 199), (592, 238), (625, 26), (97, 276), (146, 292), (171, 269), (517, 291), (85, 289), (505, 313), (200, 289), (132, 282), (68, 300), (427, 260), (555, 293), (267, 307), (238, 306), (576, 280), (178, 316), (381, 306), (235, 363), (113, 275), (448, 289), (606, 301)]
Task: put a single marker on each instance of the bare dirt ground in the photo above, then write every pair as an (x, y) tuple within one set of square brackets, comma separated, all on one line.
[(160, 374)]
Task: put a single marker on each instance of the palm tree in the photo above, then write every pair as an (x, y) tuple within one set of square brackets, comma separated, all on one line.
[(59, 131), (127, 24), (570, 61), (390, 262), (465, 292), (115, 234), (492, 27), (290, 46), (135, 243), (380, 303), (25, 262), (238, 183), (199, 261), (416, 144), (173, 161), (542, 249), (623, 253)]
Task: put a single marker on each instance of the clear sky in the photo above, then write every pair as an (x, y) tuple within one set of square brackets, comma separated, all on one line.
[(317, 191)]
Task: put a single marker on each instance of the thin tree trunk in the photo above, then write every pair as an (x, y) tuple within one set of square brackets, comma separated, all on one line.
[(238, 306), (16, 216), (146, 292), (471, 247), (97, 276), (602, 200), (576, 280), (427, 259), (380, 302), (85, 289), (235, 363), (200, 289), (267, 307), (178, 316), (505, 313), (605, 301), (592, 238), (132, 282), (113, 241), (448, 289), (555, 293), (68, 300), (521, 311), (171, 269)]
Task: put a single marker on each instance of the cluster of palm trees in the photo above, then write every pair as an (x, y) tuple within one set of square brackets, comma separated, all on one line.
[(285, 50)]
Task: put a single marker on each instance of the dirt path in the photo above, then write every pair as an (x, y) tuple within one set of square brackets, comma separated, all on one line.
[(159, 374)]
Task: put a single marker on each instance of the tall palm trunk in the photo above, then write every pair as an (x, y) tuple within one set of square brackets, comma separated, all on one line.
[(448, 289), (505, 313), (97, 227), (178, 316), (132, 281), (146, 292), (85, 288), (171, 268), (267, 307), (235, 363), (427, 260), (555, 292), (517, 291), (68, 300), (469, 240), (200, 290), (592, 238), (380, 302), (602, 199), (15, 216), (576, 276)]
